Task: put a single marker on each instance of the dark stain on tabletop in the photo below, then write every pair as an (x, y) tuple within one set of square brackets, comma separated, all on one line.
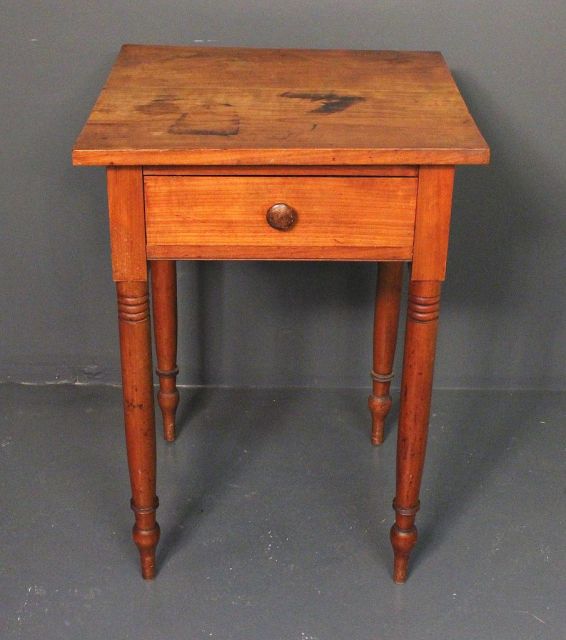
[(213, 119), (162, 104), (331, 102)]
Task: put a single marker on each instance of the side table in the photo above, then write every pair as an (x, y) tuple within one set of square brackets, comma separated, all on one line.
[(278, 154)]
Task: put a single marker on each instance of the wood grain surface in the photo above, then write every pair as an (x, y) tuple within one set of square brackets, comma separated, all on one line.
[(204, 105), (432, 225), (127, 223)]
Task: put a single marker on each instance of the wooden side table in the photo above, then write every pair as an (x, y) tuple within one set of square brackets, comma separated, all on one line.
[(265, 154)]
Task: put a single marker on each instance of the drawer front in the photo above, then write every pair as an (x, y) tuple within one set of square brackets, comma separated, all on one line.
[(337, 218)]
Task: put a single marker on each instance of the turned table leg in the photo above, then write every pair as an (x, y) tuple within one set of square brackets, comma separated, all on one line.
[(416, 390), (137, 386), (385, 325), (164, 299)]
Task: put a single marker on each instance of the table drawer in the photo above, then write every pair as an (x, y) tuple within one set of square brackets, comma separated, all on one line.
[(334, 218)]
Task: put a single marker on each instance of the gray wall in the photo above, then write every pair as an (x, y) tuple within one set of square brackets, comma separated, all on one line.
[(295, 324)]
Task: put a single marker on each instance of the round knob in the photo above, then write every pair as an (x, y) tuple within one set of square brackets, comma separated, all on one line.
[(281, 216)]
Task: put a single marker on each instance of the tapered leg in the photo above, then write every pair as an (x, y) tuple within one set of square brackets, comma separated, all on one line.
[(416, 390), (137, 387), (164, 298), (385, 326)]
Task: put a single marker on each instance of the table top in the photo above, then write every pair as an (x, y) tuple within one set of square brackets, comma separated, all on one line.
[(164, 105)]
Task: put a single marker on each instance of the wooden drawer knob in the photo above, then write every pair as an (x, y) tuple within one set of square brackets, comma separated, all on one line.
[(281, 216)]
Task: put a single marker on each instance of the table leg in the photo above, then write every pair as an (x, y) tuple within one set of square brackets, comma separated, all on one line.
[(164, 299), (385, 325), (137, 387), (416, 390)]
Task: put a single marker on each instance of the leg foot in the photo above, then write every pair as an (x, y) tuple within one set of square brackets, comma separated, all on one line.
[(168, 403), (386, 322), (403, 542), (379, 407), (164, 298), (402, 545), (146, 539)]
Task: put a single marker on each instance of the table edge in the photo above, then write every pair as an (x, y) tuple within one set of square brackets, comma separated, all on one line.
[(288, 157)]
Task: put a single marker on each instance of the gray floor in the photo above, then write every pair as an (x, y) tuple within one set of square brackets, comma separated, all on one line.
[(275, 513)]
